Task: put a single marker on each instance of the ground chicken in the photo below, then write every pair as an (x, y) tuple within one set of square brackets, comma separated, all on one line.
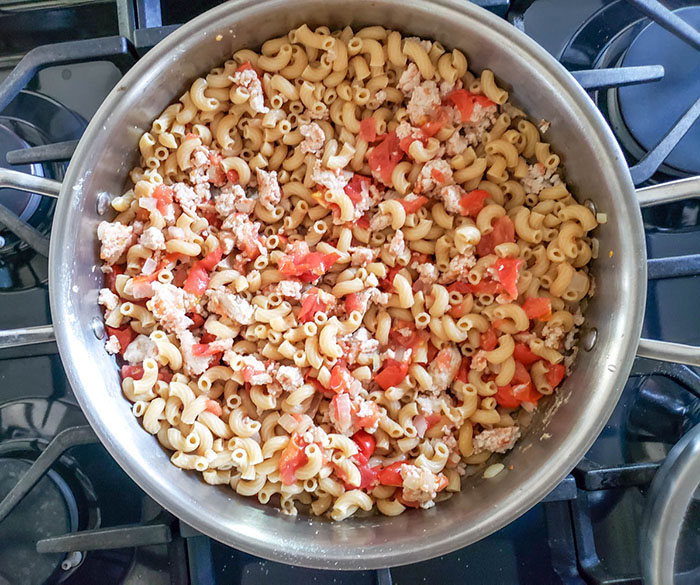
[(379, 221), (194, 365), (424, 99), (553, 335), (458, 268), (496, 440), (377, 100), (112, 345), (434, 175), (233, 198), (290, 289), (290, 377), (313, 137), (444, 369), (139, 349), (356, 344), (243, 233), (361, 256), (230, 305), (409, 80), (107, 299), (450, 197), (479, 361), (456, 144), (405, 130), (249, 79), (332, 180), (419, 485), (427, 273), (169, 305), (153, 239), (268, 189), (187, 198), (397, 246), (115, 238), (539, 177)]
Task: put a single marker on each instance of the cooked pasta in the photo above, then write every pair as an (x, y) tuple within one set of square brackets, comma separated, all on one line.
[(342, 267)]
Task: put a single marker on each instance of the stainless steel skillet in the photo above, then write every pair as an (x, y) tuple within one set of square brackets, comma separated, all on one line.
[(566, 425)]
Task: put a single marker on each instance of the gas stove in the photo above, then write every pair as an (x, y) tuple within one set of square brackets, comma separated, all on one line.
[(69, 514)]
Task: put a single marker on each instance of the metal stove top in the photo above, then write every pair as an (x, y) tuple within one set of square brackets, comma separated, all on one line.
[(80, 519)]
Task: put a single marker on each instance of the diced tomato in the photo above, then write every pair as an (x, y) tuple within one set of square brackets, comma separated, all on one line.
[(197, 280), (402, 500), (214, 407), (523, 354), (391, 475), (488, 339), (135, 372), (363, 222), (197, 320), (307, 267), (144, 278), (473, 202), (442, 482), (433, 419), (538, 308), (368, 129), (415, 204), (392, 373), (203, 349), (165, 375), (353, 303), (555, 374), (385, 156), (244, 66), (464, 101), (432, 351), (164, 197), (458, 310), (504, 397), (125, 335), (232, 176), (356, 186), (310, 305), (342, 409), (503, 231), (368, 476), (340, 379), (437, 176), (366, 443), (507, 270), (432, 127), (405, 143), (523, 389), (463, 371), (292, 458), (212, 259), (387, 283)]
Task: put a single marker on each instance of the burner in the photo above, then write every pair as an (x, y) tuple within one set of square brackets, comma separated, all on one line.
[(31, 119), (48, 510), (651, 109)]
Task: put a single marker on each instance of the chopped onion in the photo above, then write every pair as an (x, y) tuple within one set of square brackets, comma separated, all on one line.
[(149, 203), (149, 266), (421, 425), (493, 470), (288, 422), (176, 233)]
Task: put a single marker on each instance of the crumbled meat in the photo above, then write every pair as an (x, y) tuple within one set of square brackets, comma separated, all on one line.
[(424, 99), (427, 273), (249, 79), (290, 377), (334, 181), (139, 349), (397, 246), (539, 177), (433, 175), (115, 238), (169, 305), (254, 370), (553, 335), (233, 198), (377, 100), (447, 87), (444, 369), (419, 485), (371, 295), (379, 221), (456, 144), (107, 299), (356, 344), (409, 80), (479, 361), (194, 364), (269, 189), (451, 196), (290, 289), (313, 137), (112, 344), (243, 234), (458, 268), (405, 130), (230, 305), (153, 239), (187, 198), (497, 440), (361, 256)]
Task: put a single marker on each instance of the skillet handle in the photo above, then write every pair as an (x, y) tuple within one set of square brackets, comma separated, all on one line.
[(667, 351), (26, 336), (30, 183)]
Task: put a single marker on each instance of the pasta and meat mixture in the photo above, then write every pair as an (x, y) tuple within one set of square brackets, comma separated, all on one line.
[(347, 271)]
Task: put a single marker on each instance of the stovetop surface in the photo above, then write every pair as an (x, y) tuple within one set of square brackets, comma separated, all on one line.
[(36, 401)]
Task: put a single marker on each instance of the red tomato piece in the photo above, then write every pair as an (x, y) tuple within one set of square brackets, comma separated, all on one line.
[(352, 303), (391, 374), (342, 409), (212, 259), (402, 500), (306, 267), (523, 354), (385, 156), (197, 280), (464, 101), (310, 305), (203, 349), (232, 176), (387, 283), (134, 372), (366, 443), (292, 458), (488, 339), (214, 407), (463, 371), (415, 204), (125, 335), (507, 270), (473, 202), (432, 351), (538, 308), (503, 231), (555, 374), (391, 475), (164, 197), (504, 397), (433, 419), (368, 129), (356, 186), (432, 127), (340, 380), (368, 476), (363, 222), (165, 374)]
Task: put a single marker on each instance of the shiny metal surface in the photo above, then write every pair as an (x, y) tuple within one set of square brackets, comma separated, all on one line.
[(666, 351), (571, 420), (27, 336), (667, 192), (31, 183), (667, 503)]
